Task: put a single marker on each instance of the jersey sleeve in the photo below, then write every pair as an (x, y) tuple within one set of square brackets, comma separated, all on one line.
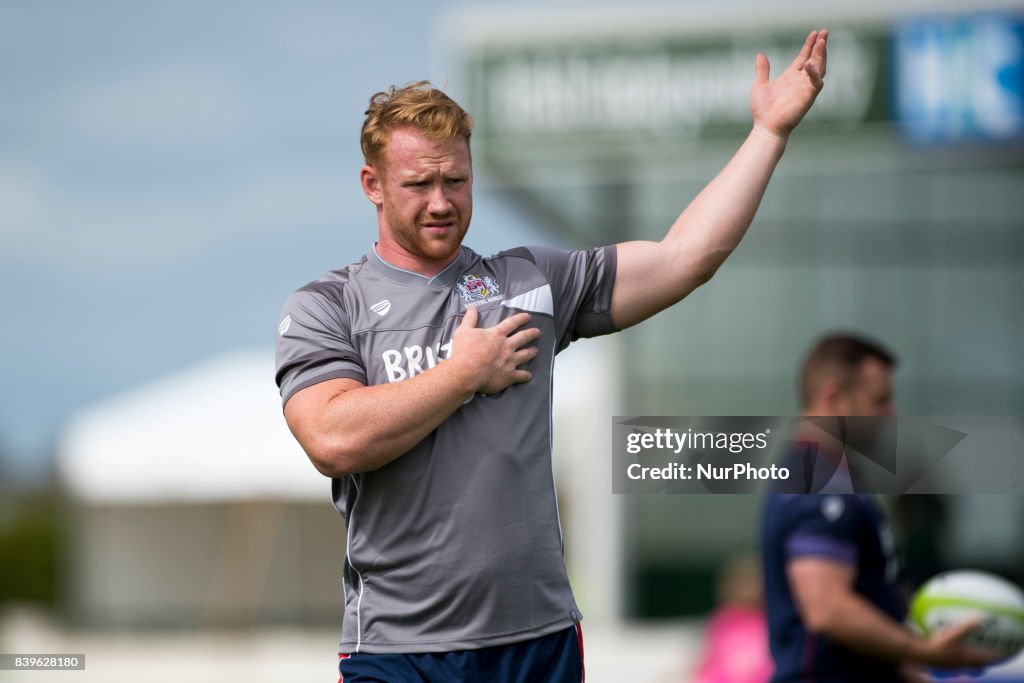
[(823, 526), (581, 289), (313, 344)]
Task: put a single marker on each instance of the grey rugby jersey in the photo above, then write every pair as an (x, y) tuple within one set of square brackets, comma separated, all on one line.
[(457, 543)]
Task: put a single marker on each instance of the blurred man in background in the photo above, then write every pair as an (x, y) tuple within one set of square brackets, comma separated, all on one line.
[(830, 569)]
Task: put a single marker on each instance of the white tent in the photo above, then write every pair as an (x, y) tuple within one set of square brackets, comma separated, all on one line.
[(191, 504), (212, 432)]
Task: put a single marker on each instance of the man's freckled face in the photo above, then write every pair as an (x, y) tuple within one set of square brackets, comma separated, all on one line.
[(426, 196)]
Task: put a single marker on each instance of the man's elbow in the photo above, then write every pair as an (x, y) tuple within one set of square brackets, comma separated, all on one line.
[(822, 620), (710, 264), (704, 276), (333, 457), (700, 270)]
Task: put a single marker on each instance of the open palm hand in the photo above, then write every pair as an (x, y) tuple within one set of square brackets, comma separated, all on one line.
[(778, 106)]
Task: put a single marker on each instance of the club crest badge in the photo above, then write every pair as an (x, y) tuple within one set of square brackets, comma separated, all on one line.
[(473, 287)]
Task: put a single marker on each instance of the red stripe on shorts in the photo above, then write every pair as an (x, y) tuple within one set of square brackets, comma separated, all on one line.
[(341, 657), (579, 640)]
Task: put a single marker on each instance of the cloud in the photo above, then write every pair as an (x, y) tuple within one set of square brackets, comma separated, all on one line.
[(23, 196), (170, 105), (46, 223), (318, 33)]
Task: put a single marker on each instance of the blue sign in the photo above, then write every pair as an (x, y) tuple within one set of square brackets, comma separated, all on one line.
[(960, 78)]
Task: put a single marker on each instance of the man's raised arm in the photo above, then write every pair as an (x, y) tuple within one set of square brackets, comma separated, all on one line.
[(715, 221)]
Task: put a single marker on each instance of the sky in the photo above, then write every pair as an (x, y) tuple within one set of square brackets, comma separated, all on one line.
[(170, 172)]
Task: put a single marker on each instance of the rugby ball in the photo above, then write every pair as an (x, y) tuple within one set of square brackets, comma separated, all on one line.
[(951, 598)]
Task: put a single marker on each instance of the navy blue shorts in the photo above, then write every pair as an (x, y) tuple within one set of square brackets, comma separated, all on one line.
[(557, 658)]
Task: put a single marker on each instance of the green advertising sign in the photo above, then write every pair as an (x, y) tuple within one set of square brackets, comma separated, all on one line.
[(579, 98)]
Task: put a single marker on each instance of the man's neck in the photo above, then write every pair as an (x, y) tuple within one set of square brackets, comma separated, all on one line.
[(397, 258), (817, 429)]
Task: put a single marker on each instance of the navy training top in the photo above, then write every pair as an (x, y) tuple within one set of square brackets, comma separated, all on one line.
[(847, 528)]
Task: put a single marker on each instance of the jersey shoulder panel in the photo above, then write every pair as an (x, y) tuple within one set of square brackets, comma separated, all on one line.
[(314, 335), (581, 287)]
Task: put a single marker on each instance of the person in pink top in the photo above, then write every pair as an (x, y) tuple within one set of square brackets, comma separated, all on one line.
[(735, 646)]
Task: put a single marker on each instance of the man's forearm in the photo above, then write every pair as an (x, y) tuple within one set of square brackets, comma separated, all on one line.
[(716, 220), (700, 239), (361, 428), (858, 625), (346, 427)]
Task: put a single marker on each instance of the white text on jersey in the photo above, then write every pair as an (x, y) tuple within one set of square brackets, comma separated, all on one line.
[(410, 361)]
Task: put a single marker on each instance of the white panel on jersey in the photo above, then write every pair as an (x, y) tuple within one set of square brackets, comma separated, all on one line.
[(534, 301)]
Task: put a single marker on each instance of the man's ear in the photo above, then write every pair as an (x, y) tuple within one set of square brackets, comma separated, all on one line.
[(831, 395), (369, 177)]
